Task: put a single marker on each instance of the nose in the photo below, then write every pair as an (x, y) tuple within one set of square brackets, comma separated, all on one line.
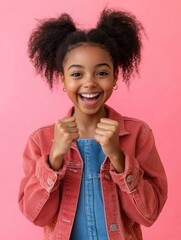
[(90, 82)]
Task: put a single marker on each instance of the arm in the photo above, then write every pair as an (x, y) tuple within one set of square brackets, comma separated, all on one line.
[(39, 194), (142, 185)]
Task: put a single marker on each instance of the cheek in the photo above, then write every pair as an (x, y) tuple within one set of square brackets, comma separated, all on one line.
[(108, 89), (108, 86), (72, 86)]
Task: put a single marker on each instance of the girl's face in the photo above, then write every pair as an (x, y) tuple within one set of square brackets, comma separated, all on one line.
[(89, 78)]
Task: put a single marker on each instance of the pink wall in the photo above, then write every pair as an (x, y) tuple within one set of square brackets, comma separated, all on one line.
[(26, 102)]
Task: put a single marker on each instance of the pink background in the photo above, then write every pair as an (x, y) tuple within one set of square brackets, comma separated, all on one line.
[(26, 103)]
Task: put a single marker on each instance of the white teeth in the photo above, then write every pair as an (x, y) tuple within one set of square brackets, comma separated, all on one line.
[(87, 95)]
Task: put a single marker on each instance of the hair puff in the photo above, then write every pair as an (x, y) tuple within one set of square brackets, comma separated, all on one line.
[(44, 43), (126, 30)]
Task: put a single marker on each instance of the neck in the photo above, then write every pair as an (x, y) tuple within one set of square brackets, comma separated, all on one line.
[(88, 123)]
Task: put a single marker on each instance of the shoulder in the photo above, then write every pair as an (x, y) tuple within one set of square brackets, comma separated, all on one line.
[(113, 114), (44, 129), (43, 134), (137, 128), (130, 121), (137, 131)]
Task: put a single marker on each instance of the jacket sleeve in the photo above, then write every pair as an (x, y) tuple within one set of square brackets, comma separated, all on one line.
[(143, 184), (39, 190)]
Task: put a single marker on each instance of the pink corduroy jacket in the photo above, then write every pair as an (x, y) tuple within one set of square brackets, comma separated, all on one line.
[(132, 198)]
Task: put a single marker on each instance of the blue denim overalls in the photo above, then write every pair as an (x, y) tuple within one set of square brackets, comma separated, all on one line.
[(89, 221)]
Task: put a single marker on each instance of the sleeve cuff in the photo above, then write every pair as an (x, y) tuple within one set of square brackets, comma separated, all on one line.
[(128, 180), (49, 179)]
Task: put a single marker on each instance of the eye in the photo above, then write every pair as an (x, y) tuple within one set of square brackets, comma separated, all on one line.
[(76, 74), (102, 73)]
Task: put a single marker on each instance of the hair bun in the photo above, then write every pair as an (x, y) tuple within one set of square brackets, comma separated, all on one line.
[(126, 30), (44, 42)]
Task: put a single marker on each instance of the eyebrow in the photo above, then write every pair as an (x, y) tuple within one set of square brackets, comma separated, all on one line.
[(103, 64), (98, 65), (75, 65)]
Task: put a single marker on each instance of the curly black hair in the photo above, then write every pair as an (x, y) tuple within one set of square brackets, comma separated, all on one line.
[(118, 32)]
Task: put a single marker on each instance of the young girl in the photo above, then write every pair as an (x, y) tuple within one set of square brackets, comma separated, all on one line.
[(94, 174)]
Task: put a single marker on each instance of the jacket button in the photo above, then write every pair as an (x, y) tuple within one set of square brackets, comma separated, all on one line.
[(113, 227), (129, 178), (49, 181), (108, 176)]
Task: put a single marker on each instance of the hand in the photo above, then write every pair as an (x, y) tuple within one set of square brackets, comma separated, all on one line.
[(65, 133), (107, 134)]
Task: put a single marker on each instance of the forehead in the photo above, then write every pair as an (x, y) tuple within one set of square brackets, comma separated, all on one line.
[(87, 54)]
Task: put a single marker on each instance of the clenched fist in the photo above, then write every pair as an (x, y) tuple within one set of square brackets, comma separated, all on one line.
[(65, 133), (107, 134)]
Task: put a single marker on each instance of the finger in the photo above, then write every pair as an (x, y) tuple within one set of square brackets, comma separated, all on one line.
[(97, 137), (69, 137), (72, 130), (67, 129), (103, 132), (108, 121), (74, 136), (66, 123), (71, 125), (69, 119), (100, 139), (106, 126)]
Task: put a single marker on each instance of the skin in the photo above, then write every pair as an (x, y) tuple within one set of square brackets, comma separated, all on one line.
[(88, 70)]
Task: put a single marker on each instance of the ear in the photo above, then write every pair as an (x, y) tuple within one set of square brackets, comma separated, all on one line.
[(62, 79), (116, 73)]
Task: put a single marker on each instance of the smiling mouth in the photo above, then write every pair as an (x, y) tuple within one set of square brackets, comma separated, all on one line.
[(89, 95), (89, 98)]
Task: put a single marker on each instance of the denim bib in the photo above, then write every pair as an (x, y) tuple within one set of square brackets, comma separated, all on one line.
[(90, 218)]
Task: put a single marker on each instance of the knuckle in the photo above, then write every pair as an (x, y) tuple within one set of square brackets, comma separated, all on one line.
[(96, 131), (104, 139), (109, 134), (114, 127), (61, 129), (57, 124), (66, 134)]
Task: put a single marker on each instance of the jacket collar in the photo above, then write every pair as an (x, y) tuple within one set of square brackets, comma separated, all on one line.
[(112, 114)]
